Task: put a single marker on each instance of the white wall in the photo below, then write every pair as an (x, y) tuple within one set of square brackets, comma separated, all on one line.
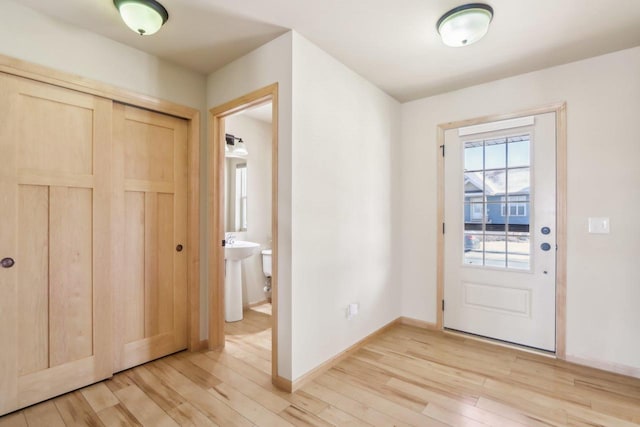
[(268, 64), (256, 135), (345, 134), (34, 37), (603, 106), (337, 168)]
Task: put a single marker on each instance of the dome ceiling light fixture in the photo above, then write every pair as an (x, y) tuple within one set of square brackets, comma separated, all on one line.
[(145, 17), (465, 25)]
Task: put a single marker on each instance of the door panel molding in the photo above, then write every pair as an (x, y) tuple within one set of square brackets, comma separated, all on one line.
[(561, 195), (510, 300)]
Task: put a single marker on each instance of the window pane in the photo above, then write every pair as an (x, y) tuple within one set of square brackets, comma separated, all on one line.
[(518, 154), (473, 156), (518, 214), (519, 181), (497, 202), (519, 255), (244, 213), (477, 212), (518, 228), (472, 248), (495, 246), (521, 210), (495, 182), (473, 186), (473, 226), (241, 197), (495, 154), (495, 220)]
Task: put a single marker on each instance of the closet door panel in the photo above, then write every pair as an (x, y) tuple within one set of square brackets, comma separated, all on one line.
[(152, 282), (134, 271), (70, 271), (150, 191), (55, 189), (166, 251), (33, 270)]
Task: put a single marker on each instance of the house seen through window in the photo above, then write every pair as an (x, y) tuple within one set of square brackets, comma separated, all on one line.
[(497, 202)]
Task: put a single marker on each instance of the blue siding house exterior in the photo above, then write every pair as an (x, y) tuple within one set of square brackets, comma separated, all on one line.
[(498, 209)]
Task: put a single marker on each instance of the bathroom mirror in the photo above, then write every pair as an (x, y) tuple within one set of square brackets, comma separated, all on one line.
[(235, 194), (247, 175)]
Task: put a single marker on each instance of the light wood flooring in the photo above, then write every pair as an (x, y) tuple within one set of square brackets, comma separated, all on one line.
[(406, 376)]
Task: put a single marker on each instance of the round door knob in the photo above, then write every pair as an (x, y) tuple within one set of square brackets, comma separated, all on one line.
[(545, 246), (179, 248), (545, 230), (7, 262)]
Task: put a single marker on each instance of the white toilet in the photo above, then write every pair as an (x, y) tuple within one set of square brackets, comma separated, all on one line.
[(266, 269)]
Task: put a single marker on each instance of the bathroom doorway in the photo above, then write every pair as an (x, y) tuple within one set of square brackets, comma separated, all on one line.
[(243, 228)]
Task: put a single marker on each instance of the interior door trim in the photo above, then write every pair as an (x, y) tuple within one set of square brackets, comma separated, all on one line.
[(62, 79), (561, 211), (215, 217)]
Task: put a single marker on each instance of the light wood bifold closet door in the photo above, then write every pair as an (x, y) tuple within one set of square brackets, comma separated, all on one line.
[(55, 284), (150, 208)]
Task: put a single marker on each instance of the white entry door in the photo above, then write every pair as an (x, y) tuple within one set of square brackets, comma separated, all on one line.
[(500, 234)]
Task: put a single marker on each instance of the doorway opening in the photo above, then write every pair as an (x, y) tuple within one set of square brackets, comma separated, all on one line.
[(243, 171)]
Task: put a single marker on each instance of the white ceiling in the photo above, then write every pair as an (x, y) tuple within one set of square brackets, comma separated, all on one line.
[(392, 43), (261, 112)]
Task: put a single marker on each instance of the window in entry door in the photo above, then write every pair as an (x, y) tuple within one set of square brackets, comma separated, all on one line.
[(497, 202)]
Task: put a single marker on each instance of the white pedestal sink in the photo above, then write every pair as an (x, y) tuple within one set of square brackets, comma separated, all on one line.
[(234, 254)]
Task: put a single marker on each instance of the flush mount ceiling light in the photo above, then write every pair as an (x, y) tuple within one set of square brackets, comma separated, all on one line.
[(145, 17), (465, 24)]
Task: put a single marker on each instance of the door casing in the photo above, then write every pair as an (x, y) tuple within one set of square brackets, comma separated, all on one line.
[(216, 217), (561, 215)]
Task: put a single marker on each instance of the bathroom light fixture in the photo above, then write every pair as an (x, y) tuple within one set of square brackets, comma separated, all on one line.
[(465, 25), (241, 148), (145, 17), (235, 147)]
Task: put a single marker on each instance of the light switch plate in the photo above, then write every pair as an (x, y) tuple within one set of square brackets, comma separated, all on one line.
[(599, 225)]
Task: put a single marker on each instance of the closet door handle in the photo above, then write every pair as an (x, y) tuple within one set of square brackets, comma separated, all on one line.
[(179, 248), (7, 262)]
